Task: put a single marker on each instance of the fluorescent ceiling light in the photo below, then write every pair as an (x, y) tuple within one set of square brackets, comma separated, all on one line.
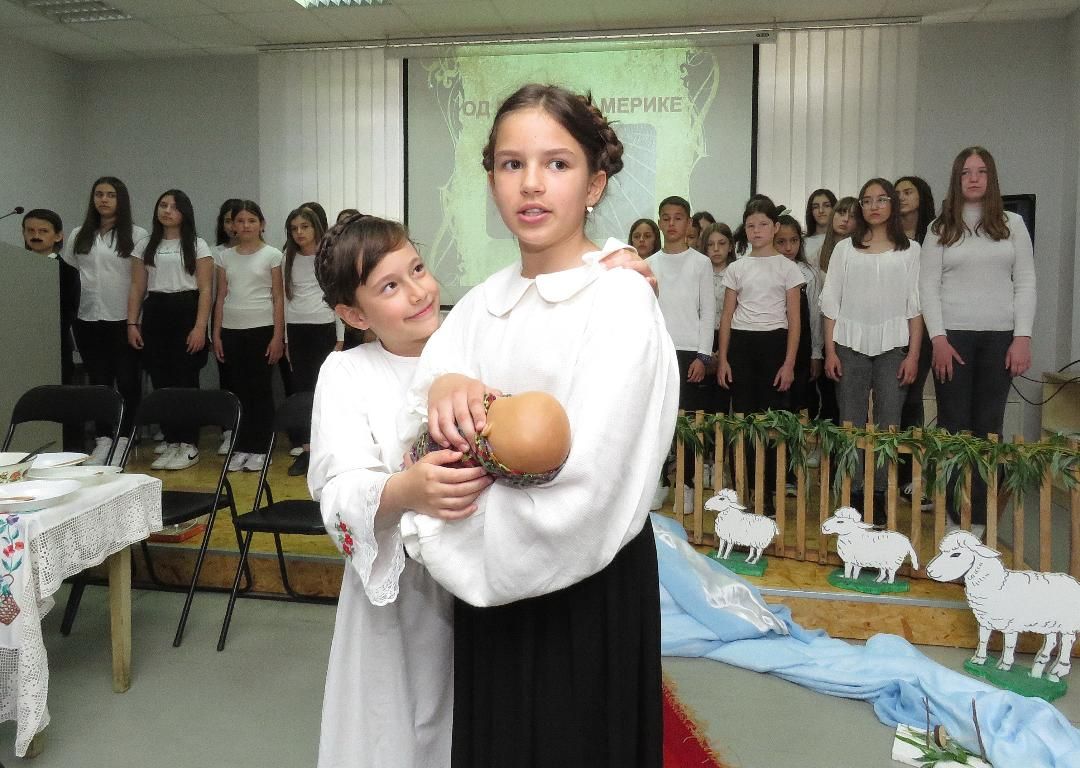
[(338, 3), (75, 11)]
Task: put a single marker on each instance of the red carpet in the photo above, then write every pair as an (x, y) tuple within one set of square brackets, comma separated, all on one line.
[(685, 745)]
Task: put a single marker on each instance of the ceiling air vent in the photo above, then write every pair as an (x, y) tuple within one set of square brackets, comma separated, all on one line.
[(75, 11)]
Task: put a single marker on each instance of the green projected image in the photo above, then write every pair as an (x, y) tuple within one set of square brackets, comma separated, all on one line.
[(663, 102)]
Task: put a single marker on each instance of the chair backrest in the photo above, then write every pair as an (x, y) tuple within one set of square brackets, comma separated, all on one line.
[(68, 404), (183, 407)]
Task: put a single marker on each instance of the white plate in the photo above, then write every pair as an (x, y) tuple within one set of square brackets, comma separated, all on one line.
[(11, 457), (45, 493), (85, 475), (46, 460)]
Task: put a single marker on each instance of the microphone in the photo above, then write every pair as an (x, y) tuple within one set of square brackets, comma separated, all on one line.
[(15, 212)]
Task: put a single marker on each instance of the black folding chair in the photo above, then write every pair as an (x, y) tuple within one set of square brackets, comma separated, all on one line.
[(192, 409), (68, 404), (288, 516)]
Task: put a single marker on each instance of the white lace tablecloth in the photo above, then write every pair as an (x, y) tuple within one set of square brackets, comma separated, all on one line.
[(63, 540)]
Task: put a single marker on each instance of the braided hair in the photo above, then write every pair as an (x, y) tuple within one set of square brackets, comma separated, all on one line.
[(575, 112), (349, 251)]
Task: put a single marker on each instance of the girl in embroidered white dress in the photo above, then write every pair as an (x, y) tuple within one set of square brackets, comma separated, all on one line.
[(388, 687), (556, 620)]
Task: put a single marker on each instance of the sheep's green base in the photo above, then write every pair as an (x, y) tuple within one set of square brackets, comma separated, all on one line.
[(736, 563), (1018, 679), (865, 583)]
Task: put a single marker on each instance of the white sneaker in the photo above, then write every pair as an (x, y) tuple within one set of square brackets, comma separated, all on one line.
[(186, 455), (238, 460), (100, 452), (790, 489), (118, 453), (255, 462), (659, 497), (160, 449), (162, 461), (226, 443), (294, 452)]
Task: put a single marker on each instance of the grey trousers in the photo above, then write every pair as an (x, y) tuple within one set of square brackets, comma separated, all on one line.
[(861, 375)]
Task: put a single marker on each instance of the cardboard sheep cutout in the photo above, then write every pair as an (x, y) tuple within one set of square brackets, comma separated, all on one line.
[(1012, 602), (860, 545), (736, 527)]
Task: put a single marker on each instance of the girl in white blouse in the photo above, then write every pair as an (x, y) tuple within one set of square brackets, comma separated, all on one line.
[(556, 624), (101, 250), (249, 330), (873, 328), (809, 360), (312, 330), (173, 270)]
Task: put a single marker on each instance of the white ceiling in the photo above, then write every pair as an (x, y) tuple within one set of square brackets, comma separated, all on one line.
[(168, 28)]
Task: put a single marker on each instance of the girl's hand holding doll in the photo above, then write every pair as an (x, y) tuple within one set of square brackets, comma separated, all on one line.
[(433, 488), (456, 410)]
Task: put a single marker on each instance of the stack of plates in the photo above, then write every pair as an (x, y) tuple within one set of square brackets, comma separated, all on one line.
[(85, 475)]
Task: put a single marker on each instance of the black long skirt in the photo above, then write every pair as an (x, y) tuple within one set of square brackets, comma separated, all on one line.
[(567, 679)]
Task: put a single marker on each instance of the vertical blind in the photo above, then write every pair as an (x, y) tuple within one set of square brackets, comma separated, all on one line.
[(835, 108), (330, 130)]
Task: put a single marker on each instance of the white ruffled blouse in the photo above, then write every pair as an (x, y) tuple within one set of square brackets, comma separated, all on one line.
[(871, 297)]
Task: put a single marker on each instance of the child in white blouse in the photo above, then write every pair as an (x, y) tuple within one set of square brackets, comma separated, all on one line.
[(169, 312), (557, 617), (809, 361), (388, 698), (873, 328)]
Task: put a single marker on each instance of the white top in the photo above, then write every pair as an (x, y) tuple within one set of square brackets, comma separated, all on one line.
[(814, 280), (812, 249), (978, 284), (389, 685), (307, 305), (686, 298), (871, 296), (168, 274), (762, 283), (105, 278), (595, 340), (250, 300)]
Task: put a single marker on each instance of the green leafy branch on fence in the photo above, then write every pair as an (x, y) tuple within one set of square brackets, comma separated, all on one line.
[(944, 456)]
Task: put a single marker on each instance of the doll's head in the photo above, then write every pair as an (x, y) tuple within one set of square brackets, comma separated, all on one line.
[(528, 432), (525, 442)]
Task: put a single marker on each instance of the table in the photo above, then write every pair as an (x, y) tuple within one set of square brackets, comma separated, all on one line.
[(96, 524)]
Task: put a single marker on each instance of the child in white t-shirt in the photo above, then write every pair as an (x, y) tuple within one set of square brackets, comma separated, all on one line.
[(760, 328), (249, 330)]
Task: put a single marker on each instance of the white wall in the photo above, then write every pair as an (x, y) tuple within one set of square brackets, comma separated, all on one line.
[(188, 123), (38, 132), (1008, 87)]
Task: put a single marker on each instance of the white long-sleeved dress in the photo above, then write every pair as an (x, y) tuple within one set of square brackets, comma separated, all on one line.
[(389, 687)]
